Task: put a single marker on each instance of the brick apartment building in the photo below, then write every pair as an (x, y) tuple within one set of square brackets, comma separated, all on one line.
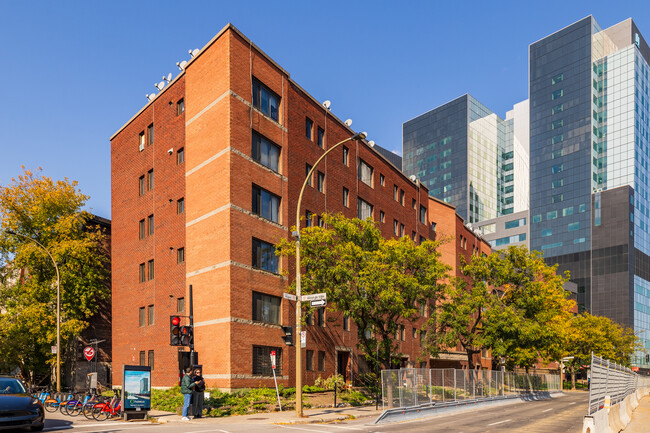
[(230, 127)]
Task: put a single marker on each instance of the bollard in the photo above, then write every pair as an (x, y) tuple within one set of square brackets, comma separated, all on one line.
[(607, 403)]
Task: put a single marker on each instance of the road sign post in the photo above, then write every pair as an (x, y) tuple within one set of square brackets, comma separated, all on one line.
[(275, 379)]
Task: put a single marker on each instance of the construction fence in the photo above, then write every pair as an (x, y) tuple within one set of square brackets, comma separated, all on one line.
[(408, 387), (609, 379)]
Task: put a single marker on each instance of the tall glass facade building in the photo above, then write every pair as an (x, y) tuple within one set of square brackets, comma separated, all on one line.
[(470, 157), (589, 153)]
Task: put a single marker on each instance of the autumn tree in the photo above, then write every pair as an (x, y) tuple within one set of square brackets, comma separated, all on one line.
[(586, 333), (50, 212), (376, 282)]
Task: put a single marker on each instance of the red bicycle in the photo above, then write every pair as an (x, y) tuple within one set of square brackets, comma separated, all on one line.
[(101, 411)]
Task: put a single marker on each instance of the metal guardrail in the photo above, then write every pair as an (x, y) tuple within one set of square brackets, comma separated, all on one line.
[(410, 387), (609, 379)]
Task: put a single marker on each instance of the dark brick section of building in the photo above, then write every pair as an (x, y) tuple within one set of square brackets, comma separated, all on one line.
[(248, 134)]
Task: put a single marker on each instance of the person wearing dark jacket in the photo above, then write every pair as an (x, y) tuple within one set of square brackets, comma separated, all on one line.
[(186, 389), (197, 394)]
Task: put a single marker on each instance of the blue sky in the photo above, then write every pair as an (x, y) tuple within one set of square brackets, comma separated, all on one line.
[(73, 72)]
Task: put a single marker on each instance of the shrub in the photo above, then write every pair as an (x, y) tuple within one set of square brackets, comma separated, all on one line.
[(354, 398)]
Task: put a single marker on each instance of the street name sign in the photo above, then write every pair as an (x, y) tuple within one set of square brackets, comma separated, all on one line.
[(289, 296), (318, 303), (315, 297)]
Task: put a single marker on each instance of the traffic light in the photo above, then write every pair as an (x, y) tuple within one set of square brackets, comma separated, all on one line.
[(186, 335), (174, 330), (288, 335)]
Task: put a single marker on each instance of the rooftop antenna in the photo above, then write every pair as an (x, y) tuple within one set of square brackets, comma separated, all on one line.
[(168, 78), (348, 122), (194, 52), (150, 96), (160, 85), (181, 65), (327, 104)]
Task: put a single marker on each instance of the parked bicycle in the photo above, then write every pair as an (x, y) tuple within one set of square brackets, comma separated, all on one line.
[(102, 411)]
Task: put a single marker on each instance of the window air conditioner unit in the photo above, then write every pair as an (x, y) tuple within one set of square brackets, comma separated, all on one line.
[(141, 147)]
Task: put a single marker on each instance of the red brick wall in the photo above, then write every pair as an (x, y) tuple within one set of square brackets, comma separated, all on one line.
[(218, 227)]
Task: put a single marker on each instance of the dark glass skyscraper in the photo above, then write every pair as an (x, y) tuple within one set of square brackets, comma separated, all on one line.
[(589, 165)]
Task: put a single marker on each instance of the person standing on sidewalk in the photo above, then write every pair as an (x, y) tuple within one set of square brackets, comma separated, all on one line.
[(186, 389), (197, 394)]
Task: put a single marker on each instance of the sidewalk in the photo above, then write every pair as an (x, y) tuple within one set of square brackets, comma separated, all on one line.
[(287, 417), (640, 418)]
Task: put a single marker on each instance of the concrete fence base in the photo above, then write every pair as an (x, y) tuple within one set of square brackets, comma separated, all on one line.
[(616, 418)]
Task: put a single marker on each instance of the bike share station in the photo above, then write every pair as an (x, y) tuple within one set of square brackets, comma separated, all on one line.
[(136, 391)]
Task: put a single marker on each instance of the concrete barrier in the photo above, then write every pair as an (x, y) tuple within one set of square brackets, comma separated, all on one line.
[(616, 418)]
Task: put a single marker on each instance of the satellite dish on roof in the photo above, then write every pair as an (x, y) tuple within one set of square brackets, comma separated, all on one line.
[(160, 85), (194, 52), (181, 65), (348, 122), (327, 104), (150, 96), (412, 177), (168, 78)]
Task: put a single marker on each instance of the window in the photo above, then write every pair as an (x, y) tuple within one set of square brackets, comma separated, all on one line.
[(401, 197), (320, 138), (180, 107), (401, 230), (551, 215), (547, 232), (557, 139), (309, 127), (320, 221), (321, 360), (346, 197), (515, 223), (557, 198), (141, 229), (557, 183), (567, 211), (346, 156), (150, 224), (320, 314), (382, 180), (266, 308), (142, 357), (180, 206), (265, 100), (557, 94), (143, 275), (557, 153), (557, 168), (307, 170), (150, 315), (262, 360), (557, 124), (558, 109), (265, 152), (151, 269), (346, 322), (309, 360), (141, 185), (150, 135), (574, 226), (150, 359), (180, 156), (557, 79), (143, 317), (423, 214), (364, 209), (266, 204), (141, 141), (382, 216), (309, 218), (321, 182), (537, 218), (395, 190), (413, 203), (395, 226), (180, 255), (180, 305), (508, 155), (365, 173), (150, 180), (264, 256)]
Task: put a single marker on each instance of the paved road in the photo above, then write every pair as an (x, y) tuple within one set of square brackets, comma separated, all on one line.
[(558, 415)]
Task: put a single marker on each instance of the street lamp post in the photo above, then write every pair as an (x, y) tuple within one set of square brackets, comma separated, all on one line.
[(297, 340), (58, 308)]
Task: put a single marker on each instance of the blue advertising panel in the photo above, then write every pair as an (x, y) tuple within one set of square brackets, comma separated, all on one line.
[(136, 387)]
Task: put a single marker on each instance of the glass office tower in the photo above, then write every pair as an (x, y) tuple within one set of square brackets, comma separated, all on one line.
[(469, 157), (589, 165)]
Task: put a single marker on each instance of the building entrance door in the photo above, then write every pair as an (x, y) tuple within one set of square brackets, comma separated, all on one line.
[(343, 365)]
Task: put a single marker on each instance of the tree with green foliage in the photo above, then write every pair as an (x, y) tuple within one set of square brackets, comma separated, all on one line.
[(586, 333), (510, 302), (376, 282), (50, 212)]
